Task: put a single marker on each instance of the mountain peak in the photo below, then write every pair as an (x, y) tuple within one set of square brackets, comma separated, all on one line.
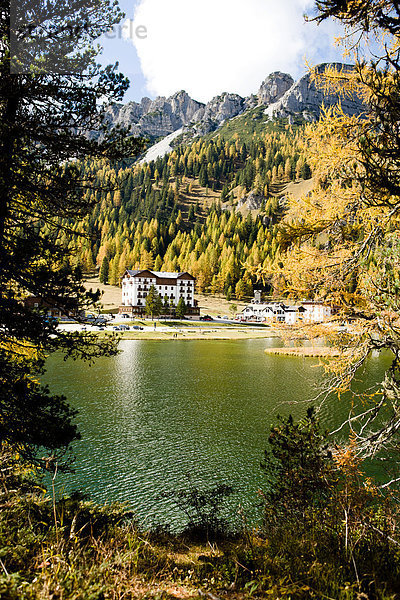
[(273, 87), (304, 98)]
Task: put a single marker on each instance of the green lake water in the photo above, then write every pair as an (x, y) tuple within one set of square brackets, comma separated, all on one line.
[(161, 410)]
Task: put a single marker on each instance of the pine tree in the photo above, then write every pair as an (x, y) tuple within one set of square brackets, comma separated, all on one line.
[(105, 267), (44, 114), (153, 303), (180, 310)]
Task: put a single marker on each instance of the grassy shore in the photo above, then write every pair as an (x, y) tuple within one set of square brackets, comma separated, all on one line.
[(305, 351), (73, 549), (182, 330), (201, 333)]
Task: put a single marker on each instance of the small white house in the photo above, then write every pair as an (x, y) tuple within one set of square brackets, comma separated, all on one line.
[(278, 312), (263, 312)]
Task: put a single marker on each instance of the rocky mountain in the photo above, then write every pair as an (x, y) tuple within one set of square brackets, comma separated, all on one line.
[(304, 99), (156, 118), (279, 93), (274, 87), (219, 109)]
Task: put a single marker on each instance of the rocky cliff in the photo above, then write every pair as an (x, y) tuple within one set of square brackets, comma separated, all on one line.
[(274, 87), (304, 99), (281, 96), (156, 118)]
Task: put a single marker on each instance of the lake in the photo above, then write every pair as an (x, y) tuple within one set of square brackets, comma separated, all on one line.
[(162, 410)]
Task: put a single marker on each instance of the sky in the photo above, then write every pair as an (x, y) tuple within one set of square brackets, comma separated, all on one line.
[(215, 46)]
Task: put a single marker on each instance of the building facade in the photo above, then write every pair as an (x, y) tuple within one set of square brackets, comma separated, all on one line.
[(38, 304), (278, 312), (136, 285), (316, 312)]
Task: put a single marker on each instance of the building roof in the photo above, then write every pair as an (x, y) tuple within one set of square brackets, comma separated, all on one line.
[(167, 275), (273, 306), (161, 274)]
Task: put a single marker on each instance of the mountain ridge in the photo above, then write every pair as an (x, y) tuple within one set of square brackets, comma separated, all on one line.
[(279, 93)]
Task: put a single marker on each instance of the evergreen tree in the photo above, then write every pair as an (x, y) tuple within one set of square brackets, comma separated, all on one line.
[(166, 309), (153, 303), (44, 114), (105, 266), (180, 310), (305, 171), (300, 470)]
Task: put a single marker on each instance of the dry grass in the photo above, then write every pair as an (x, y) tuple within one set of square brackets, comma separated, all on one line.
[(299, 188), (217, 305), (112, 294), (199, 333), (305, 351)]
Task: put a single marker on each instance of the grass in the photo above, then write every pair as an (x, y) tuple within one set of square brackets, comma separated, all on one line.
[(209, 332), (204, 335), (305, 351), (73, 549), (250, 125)]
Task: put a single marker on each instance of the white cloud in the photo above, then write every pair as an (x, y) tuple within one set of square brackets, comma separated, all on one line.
[(213, 46)]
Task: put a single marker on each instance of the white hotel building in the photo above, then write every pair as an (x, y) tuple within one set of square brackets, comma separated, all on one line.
[(136, 286)]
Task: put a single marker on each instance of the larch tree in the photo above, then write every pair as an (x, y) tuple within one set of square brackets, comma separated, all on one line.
[(341, 243)]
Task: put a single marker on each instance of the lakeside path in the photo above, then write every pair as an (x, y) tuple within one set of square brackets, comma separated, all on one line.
[(194, 331), (201, 334)]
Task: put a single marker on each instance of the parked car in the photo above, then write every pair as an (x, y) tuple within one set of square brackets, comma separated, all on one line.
[(125, 316), (100, 322), (225, 317), (138, 327), (206, 318), (123, 327)]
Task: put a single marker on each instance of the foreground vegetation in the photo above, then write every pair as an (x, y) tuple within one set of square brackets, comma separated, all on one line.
[(327, 532)]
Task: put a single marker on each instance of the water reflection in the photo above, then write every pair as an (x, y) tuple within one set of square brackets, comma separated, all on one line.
[(160, 410)]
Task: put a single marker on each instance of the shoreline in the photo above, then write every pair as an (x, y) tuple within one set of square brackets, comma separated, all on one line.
[(305, 351), (203, 334), (179, 331)]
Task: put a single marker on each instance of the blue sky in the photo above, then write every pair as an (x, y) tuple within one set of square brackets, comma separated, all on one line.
[(214, 46)]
